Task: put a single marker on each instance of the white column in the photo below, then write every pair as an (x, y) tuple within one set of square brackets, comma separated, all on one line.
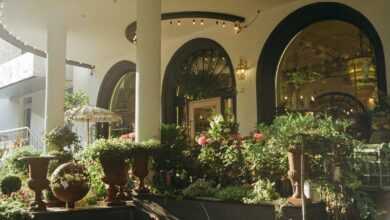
[(55, 74), (148, 82)]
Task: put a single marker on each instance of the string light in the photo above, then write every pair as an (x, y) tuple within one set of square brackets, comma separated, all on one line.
[(201, 22), (223, 24), (194, 22), (178, 23)]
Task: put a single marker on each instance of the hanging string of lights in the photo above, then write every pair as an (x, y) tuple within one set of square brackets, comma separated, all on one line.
[(236, 25), (200, 19)]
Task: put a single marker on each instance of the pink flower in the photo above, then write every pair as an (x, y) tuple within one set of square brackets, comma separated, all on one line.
[(129, 136), (202, 140), (258, 136)]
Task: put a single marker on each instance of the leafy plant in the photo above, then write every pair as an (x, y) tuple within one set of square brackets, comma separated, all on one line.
[(299, 78), (171, 160), (10, 184), (200, 188), (11, 209), (222, 153), (75, 99), (13, 163), (74, 175), (263, 190), (233, 193), (62, 138)]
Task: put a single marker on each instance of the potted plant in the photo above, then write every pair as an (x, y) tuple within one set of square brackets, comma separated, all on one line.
[(140, 154), (62, 138), (113, 155), (60, 157), (303, 135), (70, 183)]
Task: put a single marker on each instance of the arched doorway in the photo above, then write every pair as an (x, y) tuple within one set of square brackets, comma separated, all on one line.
[(289, 29), (199, 81), (117, 93)]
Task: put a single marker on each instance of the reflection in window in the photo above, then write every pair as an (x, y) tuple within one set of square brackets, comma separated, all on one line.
[(123, 103), (326, 58)]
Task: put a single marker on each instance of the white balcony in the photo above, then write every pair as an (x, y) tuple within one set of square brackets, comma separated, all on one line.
[(22, 75)]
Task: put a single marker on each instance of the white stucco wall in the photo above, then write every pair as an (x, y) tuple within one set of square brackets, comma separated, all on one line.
[(248, 44), (10, 110)]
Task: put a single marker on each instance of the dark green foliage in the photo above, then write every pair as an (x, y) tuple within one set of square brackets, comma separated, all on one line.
[(62, 138), (75, 99), (13, 163), (172, 161), (233, 193), (200, 188), (11, 209), (10, 184)]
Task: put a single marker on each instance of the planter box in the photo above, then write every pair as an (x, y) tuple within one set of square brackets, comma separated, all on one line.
[(97, 213), (153, 207), (314, 211)]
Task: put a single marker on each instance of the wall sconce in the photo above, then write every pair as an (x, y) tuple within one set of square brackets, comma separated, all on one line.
[(241, 69)]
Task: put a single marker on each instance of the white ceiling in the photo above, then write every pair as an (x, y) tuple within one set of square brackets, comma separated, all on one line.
[(96, 27)]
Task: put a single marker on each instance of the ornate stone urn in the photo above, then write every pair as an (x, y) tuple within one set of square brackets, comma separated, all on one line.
[(294, 174), (70, 183), (140, 170), (38, 181), (116, 176)]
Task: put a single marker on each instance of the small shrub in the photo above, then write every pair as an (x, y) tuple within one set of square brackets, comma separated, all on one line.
[(11, 209), (13, 163), (263, 190), (10, 184), (62, 138), (233, 193), (200, 188)]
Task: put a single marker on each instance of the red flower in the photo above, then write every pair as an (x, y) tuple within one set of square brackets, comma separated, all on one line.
[(258, 136), (202, 140)]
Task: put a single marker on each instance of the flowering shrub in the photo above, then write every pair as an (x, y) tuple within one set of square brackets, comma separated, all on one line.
[(222, 153)]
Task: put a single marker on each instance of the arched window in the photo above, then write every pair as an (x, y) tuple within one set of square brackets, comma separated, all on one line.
[(123, 103), (199, 82), (330, 67), (117, 93), (359, 60)]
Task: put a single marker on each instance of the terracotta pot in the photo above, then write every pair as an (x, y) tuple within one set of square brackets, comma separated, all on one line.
[(116, 176), (73, 191), (294, 174), (37, 181), (140, 170)]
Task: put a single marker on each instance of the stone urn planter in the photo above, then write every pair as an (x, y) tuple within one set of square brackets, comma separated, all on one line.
[(116, 176), (70, 183), (294, 174), (140, 169), (38, 181)]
